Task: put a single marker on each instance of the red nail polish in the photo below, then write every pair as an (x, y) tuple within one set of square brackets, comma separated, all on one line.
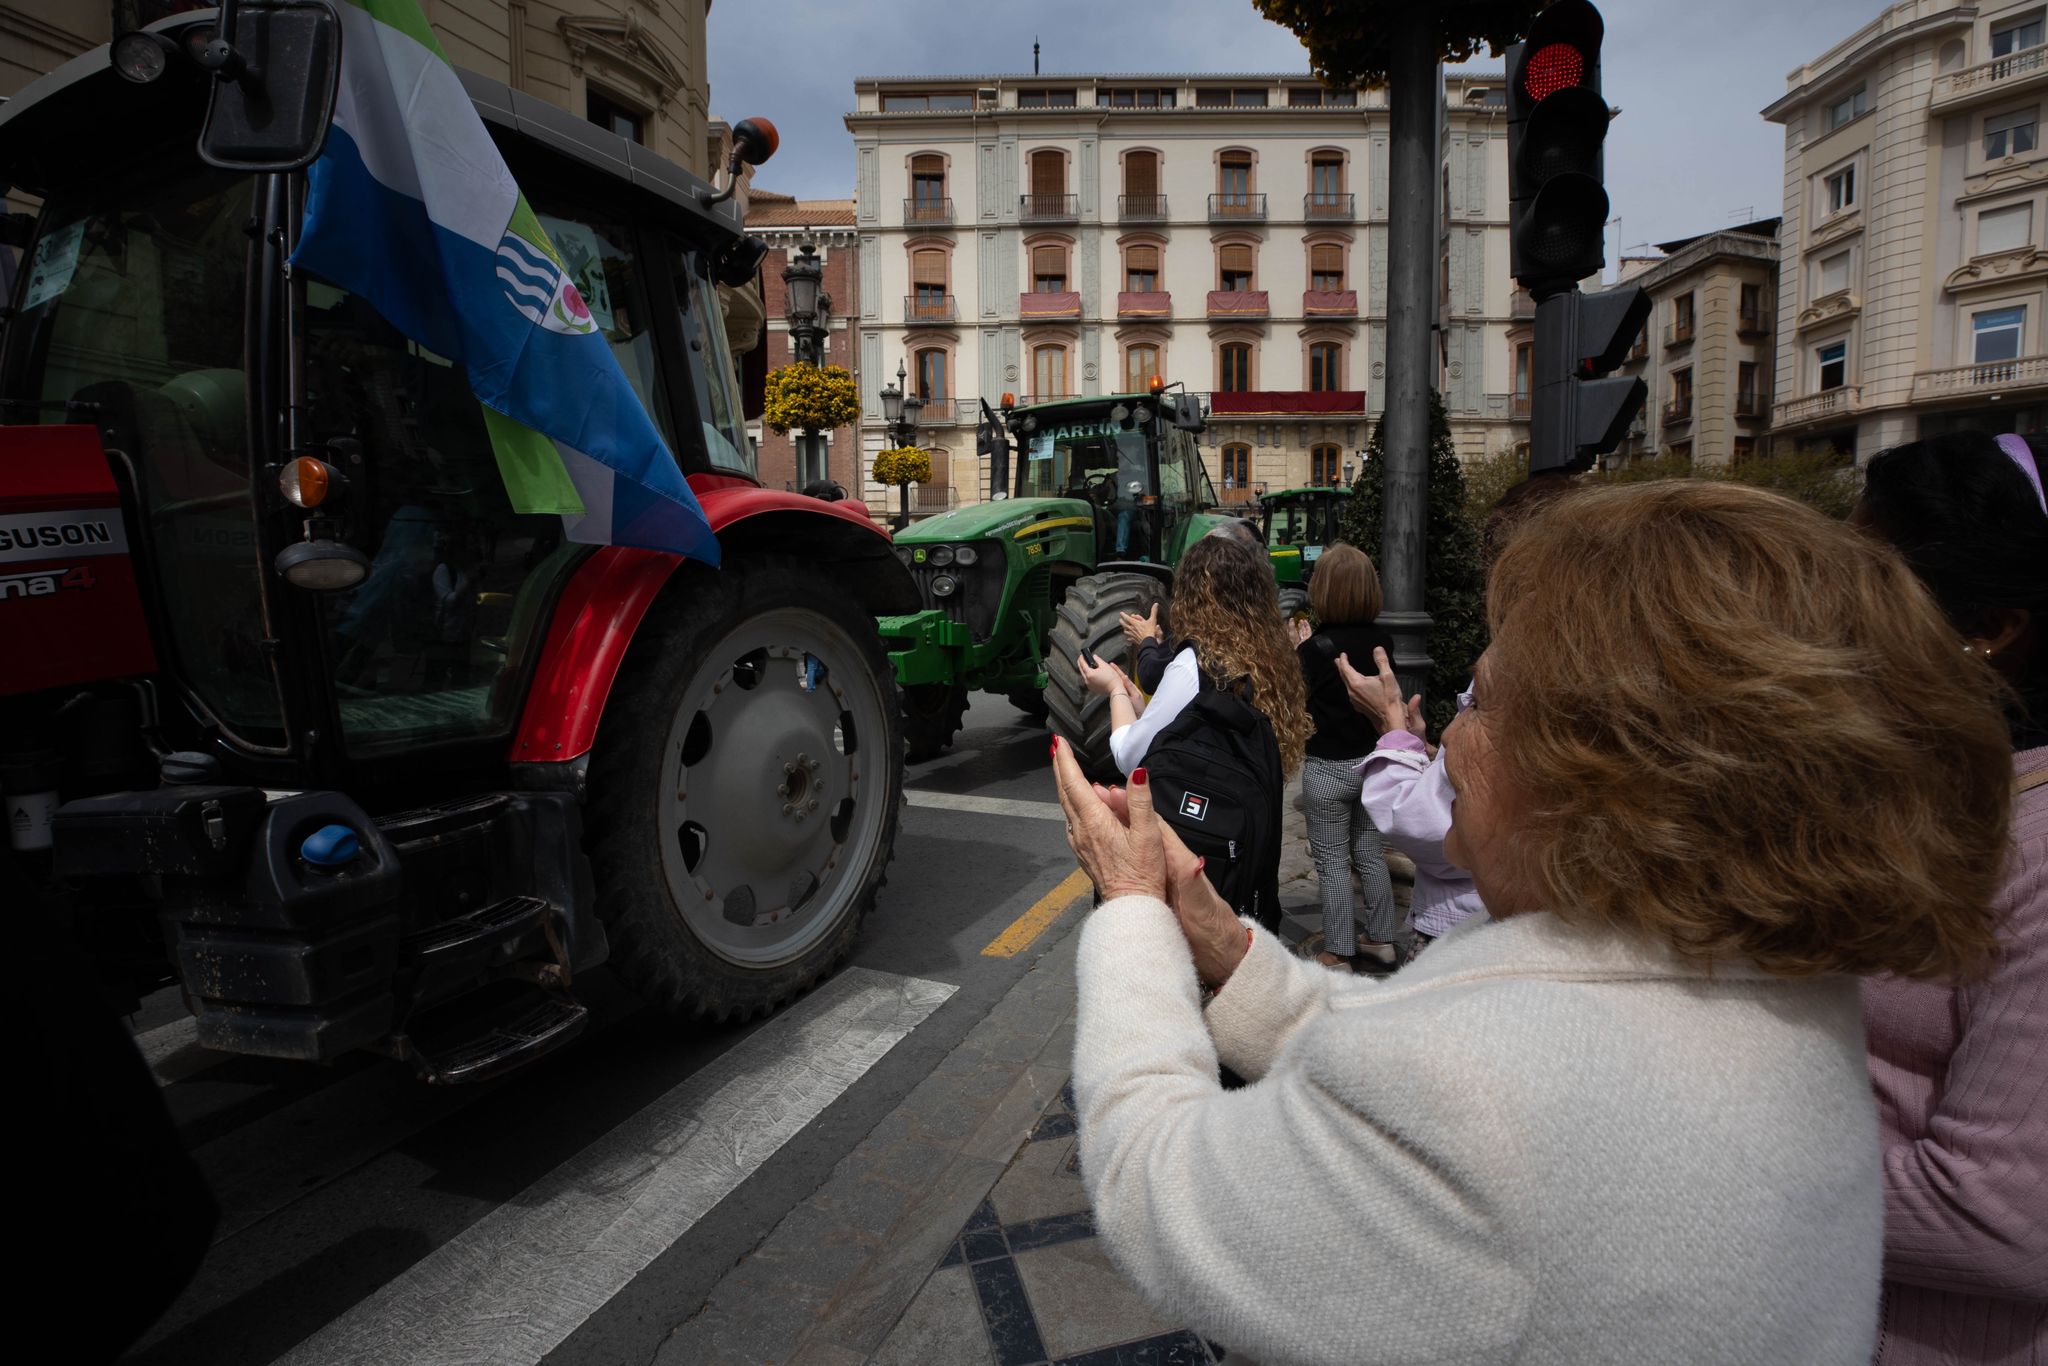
[(1140, 777), (1055, 744)]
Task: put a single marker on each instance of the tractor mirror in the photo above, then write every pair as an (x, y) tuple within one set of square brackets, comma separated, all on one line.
[(1187, 413), (274, 83)]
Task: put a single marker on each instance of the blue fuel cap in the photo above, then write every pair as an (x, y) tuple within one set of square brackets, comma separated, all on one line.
[(331, 846)]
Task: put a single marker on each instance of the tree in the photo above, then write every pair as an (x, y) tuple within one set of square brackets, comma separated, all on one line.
[(1451, 589), (1488, 478), (1347, 39), (1821, 479)]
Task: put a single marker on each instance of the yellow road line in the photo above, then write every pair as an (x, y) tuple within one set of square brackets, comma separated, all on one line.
[(1028, 926)]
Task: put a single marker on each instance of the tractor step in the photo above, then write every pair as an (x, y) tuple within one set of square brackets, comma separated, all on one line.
[(475, 935), (476, 1045)]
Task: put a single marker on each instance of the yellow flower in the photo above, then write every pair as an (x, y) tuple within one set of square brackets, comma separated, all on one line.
[(810, 398), (903, 465)]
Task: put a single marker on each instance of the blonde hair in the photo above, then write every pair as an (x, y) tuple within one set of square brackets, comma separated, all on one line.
[(1740, 727), (1345, 588), (1226, 603)]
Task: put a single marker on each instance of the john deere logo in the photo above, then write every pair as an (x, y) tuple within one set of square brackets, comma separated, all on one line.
[(1193, 807)]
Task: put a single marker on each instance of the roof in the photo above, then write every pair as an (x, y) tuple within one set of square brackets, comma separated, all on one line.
[(767, 209), (1762, 227), (1061, 77)]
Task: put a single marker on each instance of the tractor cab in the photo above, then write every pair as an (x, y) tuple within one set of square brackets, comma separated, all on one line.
[(1300, 524), (1132, 458)]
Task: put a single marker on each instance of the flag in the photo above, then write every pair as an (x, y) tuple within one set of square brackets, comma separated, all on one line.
[(411, 208)]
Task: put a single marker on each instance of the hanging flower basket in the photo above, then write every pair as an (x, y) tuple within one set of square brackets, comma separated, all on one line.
[(903, 465), (810, 398)]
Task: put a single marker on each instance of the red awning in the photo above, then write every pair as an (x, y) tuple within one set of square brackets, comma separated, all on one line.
[(1329, 303), (1289, 403), (1063, 305), (1144, 304)]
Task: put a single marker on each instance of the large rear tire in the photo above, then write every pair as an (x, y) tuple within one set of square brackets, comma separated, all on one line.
[(745, 788), (932, 713), (1030, 701), (1293, 601), (1087, 618)]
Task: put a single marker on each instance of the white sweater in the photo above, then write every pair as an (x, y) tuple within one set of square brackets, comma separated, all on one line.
[(1534, 1145)]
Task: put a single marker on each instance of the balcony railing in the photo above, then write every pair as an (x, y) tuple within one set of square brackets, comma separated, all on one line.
[(1048, 208), (1518, 406), (1990, 79), (1839, 401), (1239, 303), (927, 308), (1237, 208), (1329, 303), (1141, 208), (1753, 322), (1677, 334), (1989, 377), (930, 212), (1042, 304), (1676, 411), (927, 499), (937, 412), (1641, 349), (1327, 206), (1747, 404), (1144, 303)]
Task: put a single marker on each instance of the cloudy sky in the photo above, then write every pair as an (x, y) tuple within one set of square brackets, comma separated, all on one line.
[(1688, 153)]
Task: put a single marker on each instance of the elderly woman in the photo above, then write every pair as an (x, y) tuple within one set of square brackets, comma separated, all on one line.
[(1723, 757)]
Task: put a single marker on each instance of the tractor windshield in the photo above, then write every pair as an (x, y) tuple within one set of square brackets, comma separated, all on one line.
[(1094, 460)]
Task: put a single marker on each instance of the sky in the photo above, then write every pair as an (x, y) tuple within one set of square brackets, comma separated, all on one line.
[(1688, 154)]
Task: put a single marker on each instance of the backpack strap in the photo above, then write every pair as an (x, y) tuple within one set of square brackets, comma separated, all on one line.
[(2027, 782)]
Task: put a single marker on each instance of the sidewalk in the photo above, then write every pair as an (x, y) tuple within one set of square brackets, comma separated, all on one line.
[(957, 1233)]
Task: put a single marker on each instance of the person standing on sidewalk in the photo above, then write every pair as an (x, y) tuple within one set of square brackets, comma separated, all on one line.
[(1962, 1108), (1345, 597)]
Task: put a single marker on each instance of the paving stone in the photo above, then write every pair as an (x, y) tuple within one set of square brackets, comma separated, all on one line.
[(1082, 1301), (1168, 1349), (942, 1325), (825, 1354), (1006, 1309), (1038, 1184), (1050, 1230)]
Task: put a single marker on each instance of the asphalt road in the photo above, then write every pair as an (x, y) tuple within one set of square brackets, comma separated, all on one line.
[(352, 1195)]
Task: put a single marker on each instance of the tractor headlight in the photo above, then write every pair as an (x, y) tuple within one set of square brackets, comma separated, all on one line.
[(944, 586), (965, 554), (903, 553), (940, 556)]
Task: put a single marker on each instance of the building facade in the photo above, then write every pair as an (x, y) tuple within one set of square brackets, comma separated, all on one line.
[(1706, 355), (1914, 281), (1078, 234), (786, 225)]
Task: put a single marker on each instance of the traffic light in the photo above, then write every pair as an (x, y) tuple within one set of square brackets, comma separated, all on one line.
[(1574, 415), (1557, 123)]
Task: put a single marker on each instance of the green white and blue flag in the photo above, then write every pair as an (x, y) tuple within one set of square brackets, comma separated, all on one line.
[(411, 207)]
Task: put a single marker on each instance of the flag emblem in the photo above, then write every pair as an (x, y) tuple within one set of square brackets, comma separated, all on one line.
[(1194, 807), (540, 289)]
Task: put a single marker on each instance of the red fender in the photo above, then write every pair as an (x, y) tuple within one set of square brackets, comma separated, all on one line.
[(602, 606)]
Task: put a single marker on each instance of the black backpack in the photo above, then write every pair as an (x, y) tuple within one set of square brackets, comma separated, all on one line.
[(1215, 777)]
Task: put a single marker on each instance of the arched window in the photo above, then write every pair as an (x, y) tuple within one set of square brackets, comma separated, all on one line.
[(1237, 467), (1234, 181), (1141, 184), (931, 375), (1326, 180), (1326, 266), (1326, 464), (1048, 371), (1049, 268), (1234, 266), (928, 283), (1141, 268), (1141, 362), (1234, 367), (1325, 366), (928, 188)]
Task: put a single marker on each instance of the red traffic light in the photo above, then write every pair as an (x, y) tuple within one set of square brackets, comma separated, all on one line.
[(1551, 68)]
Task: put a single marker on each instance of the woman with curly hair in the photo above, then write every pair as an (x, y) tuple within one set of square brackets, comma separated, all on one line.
[(1233, 646)]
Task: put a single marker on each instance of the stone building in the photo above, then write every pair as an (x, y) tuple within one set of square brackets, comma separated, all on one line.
[(1076, 234), (1912, 283), (827, 224)]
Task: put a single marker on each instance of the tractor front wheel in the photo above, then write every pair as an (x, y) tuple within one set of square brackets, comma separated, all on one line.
[(932, 713), (1087, 619)]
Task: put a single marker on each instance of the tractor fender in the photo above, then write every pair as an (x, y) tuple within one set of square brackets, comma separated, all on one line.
[(608, 595)]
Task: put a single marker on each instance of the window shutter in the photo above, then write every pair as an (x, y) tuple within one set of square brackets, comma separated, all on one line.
[(1142, 259), (1235, 259), (1326, 260), (1048, 173), (1048, 261), (1141, 174), (928, 267)]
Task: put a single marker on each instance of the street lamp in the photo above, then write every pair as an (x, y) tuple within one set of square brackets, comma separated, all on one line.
[(810, 313), (900, 410)]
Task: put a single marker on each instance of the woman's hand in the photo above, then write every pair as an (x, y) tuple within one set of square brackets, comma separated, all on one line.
[(1121, 851), (1104, 680), (1139, 630), (1379, 696), (1301, 628), (1215, 935)]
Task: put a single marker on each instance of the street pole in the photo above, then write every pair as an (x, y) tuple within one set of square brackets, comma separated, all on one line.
[(1412, 80)]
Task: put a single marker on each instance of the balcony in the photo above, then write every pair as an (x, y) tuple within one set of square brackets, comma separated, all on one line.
[(1324, 206), (1518, 406), (1329, 303), (1048, 208), (1678, 334), (1287, 403), (1237, 208), (1996, 79), (1641, 349), (928, 212), (1039, 307), (1748, 405), (1522, 305), (1238, 303), (927, 500), (1141, 208), (937, 412), (1678, 410), (1981, 381), (1841, 401), (1753, 322), (928, 308), (1144, 303)]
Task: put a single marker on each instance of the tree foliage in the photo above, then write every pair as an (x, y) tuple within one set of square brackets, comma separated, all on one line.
[(1488, 478), (1820, 479), (903, 465), (1451, 581), (1347, 40), (810, 398)]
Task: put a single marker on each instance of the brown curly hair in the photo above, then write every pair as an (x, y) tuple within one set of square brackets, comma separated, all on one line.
[(1739, 727), (1226, 603)]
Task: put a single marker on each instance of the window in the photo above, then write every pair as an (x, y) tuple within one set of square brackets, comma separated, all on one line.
[(1523, 360), (1839, 189), (2016, 37), (1143, 97), (1049, 269), (1312, 96), (1745, 387), (1326, 464), (1045, 99), (1832, 362), (1234, 266), (928, 281), (1752, 304), (924, 99), (931, 374), (1326, 267), (1326, 179), (1325, 366), (1048, 176), (612, 116), (1682, 317), (1141, 362), (1850, 106), (1237, 467), (1241, 98), (1831, 275), (1048, 371), (927, 182), (1141, 175), (1234, 178), (2009, 135), (1996, 334), (2006, 229), (1681, 391), (1234, 367), (1745, 450), (1141, 268)]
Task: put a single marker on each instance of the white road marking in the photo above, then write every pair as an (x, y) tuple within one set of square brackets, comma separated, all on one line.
[(986, 806), (512, 1286)]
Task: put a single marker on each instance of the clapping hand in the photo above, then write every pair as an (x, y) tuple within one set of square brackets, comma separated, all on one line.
[(1378, 696), (1138, 630), (1102, 678)]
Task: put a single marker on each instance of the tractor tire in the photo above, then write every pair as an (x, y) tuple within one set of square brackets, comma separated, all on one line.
[(1029, 701), (932, 713), (1293, 602), (745, 788), (1087, 619)]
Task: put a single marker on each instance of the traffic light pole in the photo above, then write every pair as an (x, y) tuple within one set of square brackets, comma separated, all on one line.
[(1411, 305)]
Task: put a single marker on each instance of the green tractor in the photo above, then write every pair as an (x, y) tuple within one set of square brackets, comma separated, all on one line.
[(1108, 492), (1299, 525)]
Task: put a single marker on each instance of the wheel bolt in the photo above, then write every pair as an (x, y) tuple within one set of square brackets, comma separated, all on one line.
[(787, 808)]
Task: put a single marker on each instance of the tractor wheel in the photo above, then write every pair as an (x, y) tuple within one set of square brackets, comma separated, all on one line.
[(1029, 701), (931, 718), (745, 788), (1293, 602), (1087, 619)]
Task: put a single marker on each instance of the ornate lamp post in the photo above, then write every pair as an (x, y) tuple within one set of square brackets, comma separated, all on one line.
[(900, 410), (809, 310)]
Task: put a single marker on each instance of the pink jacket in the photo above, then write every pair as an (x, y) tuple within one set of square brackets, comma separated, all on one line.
[(1961, 1076), (1409, 800)]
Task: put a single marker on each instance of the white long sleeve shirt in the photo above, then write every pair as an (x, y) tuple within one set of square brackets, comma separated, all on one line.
[(1178, 686)]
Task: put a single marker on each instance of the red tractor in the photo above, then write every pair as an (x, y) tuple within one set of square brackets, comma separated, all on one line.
[(387, 764)]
